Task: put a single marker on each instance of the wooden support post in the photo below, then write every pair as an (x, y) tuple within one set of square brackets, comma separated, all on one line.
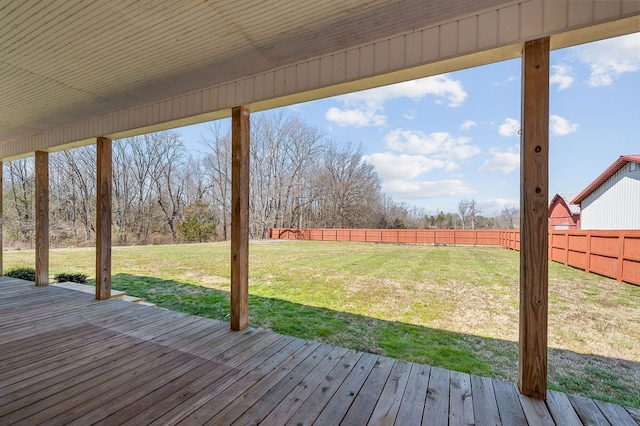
[(239, 218), (103, 218), (42, 218), (534, 189)]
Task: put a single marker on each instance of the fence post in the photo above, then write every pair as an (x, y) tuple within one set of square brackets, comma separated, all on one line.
[(621, 238), (587, 267)]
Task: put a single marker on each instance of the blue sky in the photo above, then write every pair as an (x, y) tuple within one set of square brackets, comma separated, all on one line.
[(438, 140)]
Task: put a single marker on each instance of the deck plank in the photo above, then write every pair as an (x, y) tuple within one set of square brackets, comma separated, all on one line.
[(508, 403), (485, 406), (588, 411), (386, 409), (536, 411), (263, 398), (634, 413), (460, 399), (415, 395), (176, 402), (292, 354), (73, 385), (85, 353), (436, 410), (314, 405), (561, 409), (364, 404), (169, 380), (336, 408), (55, 400), (193, 403), (304, 389), (615, 414)]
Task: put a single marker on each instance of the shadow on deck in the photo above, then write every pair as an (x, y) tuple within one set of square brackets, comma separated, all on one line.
[(68, 359)]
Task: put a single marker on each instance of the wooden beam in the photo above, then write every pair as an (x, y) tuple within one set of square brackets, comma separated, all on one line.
[(534, 198), (239, 218), (103, 219), (42, 218)]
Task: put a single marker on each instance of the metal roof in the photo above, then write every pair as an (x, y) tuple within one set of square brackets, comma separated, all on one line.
[(71, 70), (610, 171), (564, 199)]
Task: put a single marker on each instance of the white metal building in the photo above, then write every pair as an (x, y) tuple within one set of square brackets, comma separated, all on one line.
[(612, 200)]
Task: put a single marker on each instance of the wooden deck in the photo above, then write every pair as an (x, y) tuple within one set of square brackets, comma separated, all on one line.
[(68, 359)]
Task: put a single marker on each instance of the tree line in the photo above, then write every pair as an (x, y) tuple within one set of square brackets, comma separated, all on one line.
[(164, 192)]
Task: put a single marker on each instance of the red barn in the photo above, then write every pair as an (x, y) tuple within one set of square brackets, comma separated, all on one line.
[(563, 215)]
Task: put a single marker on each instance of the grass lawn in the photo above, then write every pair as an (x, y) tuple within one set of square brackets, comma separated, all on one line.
[(453, 307)]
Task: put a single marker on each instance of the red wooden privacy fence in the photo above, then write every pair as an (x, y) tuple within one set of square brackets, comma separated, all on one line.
[(614, 254), (408, 236)]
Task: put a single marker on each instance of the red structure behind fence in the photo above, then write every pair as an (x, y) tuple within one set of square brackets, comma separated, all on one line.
[(614, 254)]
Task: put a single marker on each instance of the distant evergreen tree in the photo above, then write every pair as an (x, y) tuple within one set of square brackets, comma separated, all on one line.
[(199, 224)]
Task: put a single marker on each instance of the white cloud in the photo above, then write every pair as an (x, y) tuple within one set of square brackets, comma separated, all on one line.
[(509, 80), (427, 189), (409, 115), (608, 59), (562, 76), (510, 127), (439, 85), (355, 117), (390, 166), (437, 144), (365, 108), (560, 126), (502, 161), (467, 124)]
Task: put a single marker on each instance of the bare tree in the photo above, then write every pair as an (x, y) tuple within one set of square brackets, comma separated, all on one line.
[(468, 211), (509, 217), (217, 169), (72, 185), (169, 178), (283, 152), (21, 178), (349, 188)]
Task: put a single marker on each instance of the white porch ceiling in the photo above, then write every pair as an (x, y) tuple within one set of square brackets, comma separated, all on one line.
[(71, 70)]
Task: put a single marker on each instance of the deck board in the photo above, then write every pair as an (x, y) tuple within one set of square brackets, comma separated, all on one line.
[(485, 406), (363, 405), (461, 412), (588, 411), (436, 410), (561, 409), (415, 395), (66, 358), (387, 406)]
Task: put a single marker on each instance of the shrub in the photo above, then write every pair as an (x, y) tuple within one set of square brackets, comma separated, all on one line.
[(22, 272), (199, 224), (74, 278)]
